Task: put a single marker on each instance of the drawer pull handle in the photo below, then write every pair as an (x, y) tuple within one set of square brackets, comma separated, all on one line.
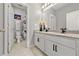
[(53, 47), (38, 39)]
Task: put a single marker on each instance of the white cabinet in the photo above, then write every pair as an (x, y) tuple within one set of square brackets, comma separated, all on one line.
[(54, 45)]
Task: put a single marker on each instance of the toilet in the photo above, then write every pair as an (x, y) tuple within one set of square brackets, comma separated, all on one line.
[(18, 36), (18, 31)]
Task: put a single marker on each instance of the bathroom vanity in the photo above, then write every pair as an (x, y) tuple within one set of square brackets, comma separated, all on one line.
[(56, 43)]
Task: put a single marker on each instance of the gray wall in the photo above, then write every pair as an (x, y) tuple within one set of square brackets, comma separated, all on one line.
[(61, 14)]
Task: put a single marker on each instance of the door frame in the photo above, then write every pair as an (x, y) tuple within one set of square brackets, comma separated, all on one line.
[(6, 27)]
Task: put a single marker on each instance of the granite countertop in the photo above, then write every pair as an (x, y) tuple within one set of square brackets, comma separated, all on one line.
[(67, 34)]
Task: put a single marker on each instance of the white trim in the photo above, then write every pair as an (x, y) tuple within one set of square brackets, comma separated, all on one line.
[(28, 27), (6, 27)]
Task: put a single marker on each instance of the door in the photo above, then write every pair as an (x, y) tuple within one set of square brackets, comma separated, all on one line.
[(1, 29)]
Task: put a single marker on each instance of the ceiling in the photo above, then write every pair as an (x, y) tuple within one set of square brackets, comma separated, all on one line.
[(18, 5), (56, 7), (59, 5)]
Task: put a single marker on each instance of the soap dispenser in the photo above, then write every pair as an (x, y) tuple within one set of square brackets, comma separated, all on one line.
[(40, 27)]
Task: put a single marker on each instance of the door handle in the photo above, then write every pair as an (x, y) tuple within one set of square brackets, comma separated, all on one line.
[(2, 30)]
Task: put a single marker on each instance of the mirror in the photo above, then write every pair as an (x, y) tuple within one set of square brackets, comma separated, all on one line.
[(72, 20)]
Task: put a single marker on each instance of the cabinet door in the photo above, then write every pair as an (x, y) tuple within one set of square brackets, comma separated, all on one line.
[(36, 40), (53, 48), (49, 48), (41, 43), (66, 51)]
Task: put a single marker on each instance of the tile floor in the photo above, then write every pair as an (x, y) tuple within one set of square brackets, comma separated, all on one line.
[(19, 49)]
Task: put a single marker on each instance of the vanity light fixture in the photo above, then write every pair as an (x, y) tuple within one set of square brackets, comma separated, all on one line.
[(47, 6)]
